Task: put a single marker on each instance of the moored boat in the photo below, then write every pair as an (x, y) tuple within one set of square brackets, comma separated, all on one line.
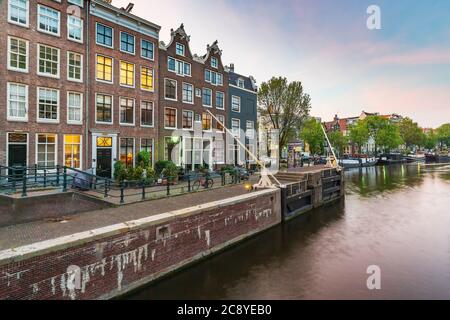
[(357, 162), (415, 158), (391, 158)]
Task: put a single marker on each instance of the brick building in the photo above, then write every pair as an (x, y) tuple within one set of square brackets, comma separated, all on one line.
[(190, 85), (77, 84)]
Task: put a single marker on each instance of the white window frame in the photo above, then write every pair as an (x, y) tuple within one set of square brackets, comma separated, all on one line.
[(176, 49), (153, 114), (112, 109), (43, 74), (112, 69), (238, 135), (153, 78), (152, 160), (37, 143), (120, 43), (81, 73), (38, 19), (134, 74), (241, 81), (27, 45), (177, 71), (192, 122), (76, 122), (176, 118), (239, 99), (176, 90), (27, 23), (81, 149), (126, 124), (16, 119), (112, 36), (193, 93), (80, 3), (247, 135), (223, 95), (198, 92), (222, 118), (153, 44), (58, 112), (216, 64), (68, 28), (205, 105)]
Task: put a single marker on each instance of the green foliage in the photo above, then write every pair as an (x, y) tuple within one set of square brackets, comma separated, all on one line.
[(120, 171), (338, 141), (143, 159), (431, 140), (170, 170), (411, 133), (161, 165), (283, 106), (385, 134), (443, 135), (359, 134), (312, 134)]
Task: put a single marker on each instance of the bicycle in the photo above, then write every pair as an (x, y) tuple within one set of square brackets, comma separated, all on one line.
[(206, 182)]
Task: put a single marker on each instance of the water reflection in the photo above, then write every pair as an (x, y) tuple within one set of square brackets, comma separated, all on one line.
[(393, 217)]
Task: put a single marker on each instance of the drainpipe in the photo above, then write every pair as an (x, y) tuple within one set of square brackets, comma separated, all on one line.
[(87, 91)]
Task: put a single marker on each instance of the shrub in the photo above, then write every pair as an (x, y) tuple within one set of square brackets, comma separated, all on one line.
[(138, 173), (161, 165), (170, 170), (120, 171), (143, 159), (130, 173)]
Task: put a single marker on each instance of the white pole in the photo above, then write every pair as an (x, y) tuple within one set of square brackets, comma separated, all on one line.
[(329, 144)]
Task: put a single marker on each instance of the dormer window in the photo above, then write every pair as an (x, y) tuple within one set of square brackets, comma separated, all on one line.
[(241, 83), (179, 49), (214, 63)]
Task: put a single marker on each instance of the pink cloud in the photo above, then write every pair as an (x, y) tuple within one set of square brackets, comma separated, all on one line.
[(418, 57)]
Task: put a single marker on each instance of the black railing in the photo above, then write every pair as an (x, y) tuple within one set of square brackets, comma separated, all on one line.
[(25, 179)]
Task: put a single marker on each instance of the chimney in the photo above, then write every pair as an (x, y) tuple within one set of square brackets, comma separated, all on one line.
[(128, 8), (231, 67)]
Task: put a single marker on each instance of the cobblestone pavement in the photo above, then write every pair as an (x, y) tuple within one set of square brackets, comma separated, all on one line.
[(23, 234)]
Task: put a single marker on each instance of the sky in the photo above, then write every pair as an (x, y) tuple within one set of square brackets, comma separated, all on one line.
[(404, 67)]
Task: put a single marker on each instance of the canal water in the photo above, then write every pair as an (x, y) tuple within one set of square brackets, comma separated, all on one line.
[(396, 217)]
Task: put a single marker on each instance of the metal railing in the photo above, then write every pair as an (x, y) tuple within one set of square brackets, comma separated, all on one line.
[(25, 179)]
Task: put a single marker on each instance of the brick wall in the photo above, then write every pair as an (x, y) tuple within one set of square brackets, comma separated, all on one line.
[(116, 259)]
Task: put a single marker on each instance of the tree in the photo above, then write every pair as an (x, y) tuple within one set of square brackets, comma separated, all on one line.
[(359, 134), (283, 106), (443, 135), (338, 141), (384, 133), (431, 140), (410, 132), (312, 134)]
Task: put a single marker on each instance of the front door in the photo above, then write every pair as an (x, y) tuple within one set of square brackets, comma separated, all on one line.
[(17, 158), (104, 160)]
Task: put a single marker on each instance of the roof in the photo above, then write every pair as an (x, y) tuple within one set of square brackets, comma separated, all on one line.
[(249, 82), (342, 123)]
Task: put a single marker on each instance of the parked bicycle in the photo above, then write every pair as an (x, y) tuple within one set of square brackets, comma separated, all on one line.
[(205, 182)]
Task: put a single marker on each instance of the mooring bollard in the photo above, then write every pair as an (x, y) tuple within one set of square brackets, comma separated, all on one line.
[(24, 184), (143, 190), (189, 183), (222, 175), (45, 177), (35, 173), (168, 186), (64, 179), (106, 189), (122, 196)]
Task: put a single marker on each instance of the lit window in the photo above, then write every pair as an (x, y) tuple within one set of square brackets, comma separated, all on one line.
[(219, 125), (214, 62), (72, 151), (18, 12), (17, 54), (179, 49), (48, 20), (206, 121), (207, 97), (146, 113), (126, 111), (127, 151), (126, 42), (170, 89), (170, 118), (104, 68), (74, 107), (126, 74), (188, 94), (188, 118), (103, 108), (235, 104), (74, 66), (104, 142), (146, 78), (147, 49), (48, 106), (104, 35), (75, 28), (220, 97), (48, 61), (17, 102), (46, 150)]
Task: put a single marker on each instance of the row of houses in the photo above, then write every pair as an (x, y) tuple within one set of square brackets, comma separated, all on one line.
[(85, 84), (343, 125)]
